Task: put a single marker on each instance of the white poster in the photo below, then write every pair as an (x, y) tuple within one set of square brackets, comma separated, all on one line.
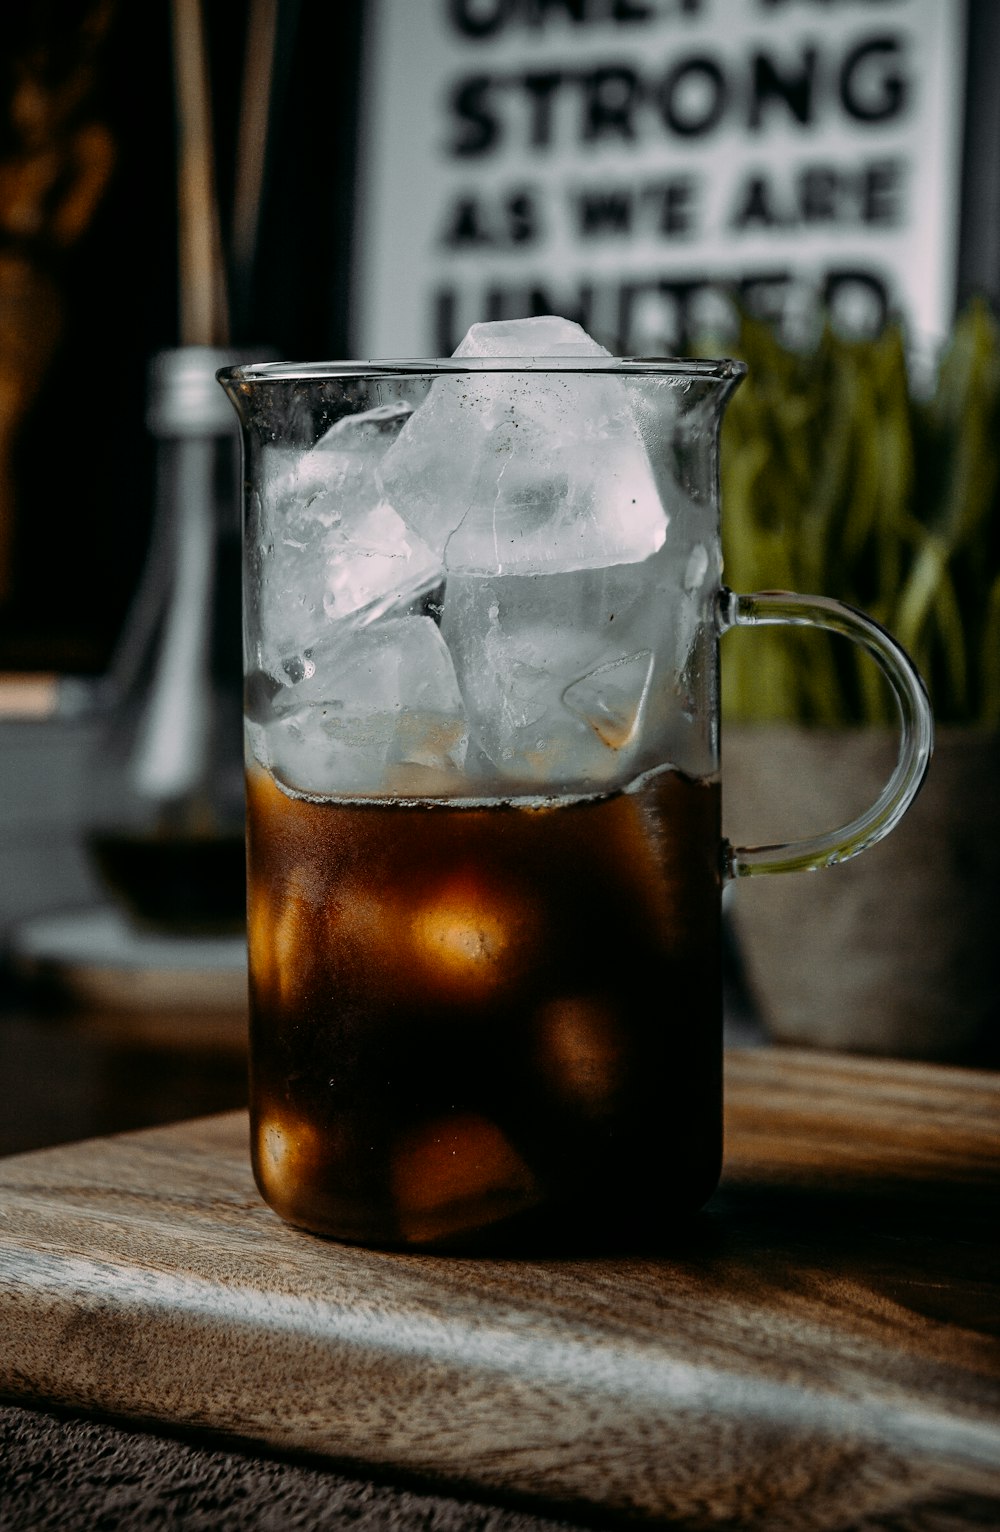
[(622, 161)]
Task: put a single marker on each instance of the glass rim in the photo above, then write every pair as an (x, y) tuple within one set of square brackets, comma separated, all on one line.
[(718, 369)]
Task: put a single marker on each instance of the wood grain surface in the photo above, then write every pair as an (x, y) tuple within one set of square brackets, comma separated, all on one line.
[(818, 1349)]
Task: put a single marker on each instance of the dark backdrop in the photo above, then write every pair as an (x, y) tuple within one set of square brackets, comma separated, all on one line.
[(83, 461)]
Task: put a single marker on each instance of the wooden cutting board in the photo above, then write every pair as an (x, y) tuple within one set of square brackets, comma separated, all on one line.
[(820, 1350)]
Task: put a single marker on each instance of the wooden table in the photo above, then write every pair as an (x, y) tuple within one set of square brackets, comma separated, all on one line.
[(819, 1349)]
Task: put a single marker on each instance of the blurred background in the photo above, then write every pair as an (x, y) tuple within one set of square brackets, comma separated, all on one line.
[(90, 280), (814, 186)]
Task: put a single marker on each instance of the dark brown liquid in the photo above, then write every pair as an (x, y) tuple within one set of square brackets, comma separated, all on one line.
[(192, 884), (475, 1019)]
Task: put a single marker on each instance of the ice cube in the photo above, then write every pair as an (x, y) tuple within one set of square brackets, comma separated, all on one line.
[(556, 671), (369, 429), (380, 711), (526, 472), (455, 1173), (582, 1048), (611, 698), (544, 335), (332, 548)]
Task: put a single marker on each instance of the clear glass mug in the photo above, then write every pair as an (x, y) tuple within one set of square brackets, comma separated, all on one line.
[(483, 603)]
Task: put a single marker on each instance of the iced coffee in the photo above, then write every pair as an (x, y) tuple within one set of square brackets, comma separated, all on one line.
[(483, 816), (463, 1015)]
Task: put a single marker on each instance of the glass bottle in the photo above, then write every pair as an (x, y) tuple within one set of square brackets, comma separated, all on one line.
[(167, 828)]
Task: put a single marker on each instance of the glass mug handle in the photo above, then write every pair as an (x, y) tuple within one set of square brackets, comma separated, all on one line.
[(774, 608)]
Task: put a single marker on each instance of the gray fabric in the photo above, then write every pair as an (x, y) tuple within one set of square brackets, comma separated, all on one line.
[(71, 1475)]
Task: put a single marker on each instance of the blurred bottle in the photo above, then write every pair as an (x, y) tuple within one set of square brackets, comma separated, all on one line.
[(167, 827)]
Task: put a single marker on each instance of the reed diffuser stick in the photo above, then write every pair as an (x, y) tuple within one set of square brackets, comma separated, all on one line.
[(252, 148), (202, 284)]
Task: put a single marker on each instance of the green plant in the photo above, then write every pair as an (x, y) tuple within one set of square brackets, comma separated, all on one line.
[(842, 477)]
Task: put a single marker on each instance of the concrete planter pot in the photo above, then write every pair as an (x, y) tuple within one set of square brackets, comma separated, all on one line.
[(896, 952)]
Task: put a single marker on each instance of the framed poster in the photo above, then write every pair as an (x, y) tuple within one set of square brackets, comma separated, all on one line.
[(626, 162)]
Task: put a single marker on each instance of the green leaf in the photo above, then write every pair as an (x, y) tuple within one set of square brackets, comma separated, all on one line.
[(842, 477)]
